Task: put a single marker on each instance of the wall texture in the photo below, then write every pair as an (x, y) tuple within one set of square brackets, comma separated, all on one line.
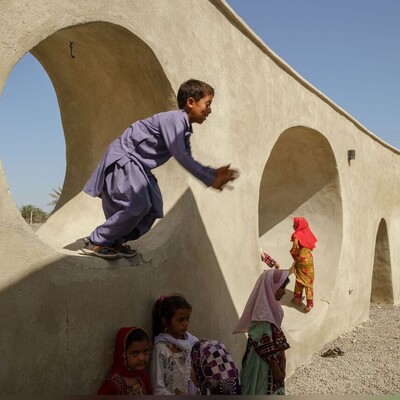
[(289, 141)]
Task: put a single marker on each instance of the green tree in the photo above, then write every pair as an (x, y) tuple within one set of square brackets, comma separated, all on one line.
[(56, 196), (33, 214)]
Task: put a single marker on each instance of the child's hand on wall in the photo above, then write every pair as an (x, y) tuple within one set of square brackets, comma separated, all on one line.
[(223, 176)]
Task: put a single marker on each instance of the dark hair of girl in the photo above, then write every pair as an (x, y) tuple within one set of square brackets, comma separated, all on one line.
[(165, 308), (137, 335), (195, 89)]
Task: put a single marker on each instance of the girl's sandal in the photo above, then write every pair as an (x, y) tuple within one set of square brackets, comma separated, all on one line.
[(125, 250), (307, 309)]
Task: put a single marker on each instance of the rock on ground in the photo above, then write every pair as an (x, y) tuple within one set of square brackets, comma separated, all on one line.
[(370, 364)]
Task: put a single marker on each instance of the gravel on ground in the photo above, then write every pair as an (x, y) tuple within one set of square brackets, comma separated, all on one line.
[(369, 365)]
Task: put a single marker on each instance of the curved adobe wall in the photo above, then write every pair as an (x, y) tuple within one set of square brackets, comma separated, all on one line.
[(74, 304), (207, 245)]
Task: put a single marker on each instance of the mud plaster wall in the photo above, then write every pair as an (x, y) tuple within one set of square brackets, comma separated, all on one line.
[(289, 141)]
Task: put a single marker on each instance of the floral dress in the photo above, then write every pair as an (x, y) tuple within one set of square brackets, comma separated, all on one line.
[(169, 370), (303, 269)]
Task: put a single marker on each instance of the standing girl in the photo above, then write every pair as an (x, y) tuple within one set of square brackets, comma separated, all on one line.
[(131, 356), (303, 244), (171, 360), (264, 363)]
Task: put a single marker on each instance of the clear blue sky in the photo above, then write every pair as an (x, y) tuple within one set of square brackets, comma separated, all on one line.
[(348, 49)]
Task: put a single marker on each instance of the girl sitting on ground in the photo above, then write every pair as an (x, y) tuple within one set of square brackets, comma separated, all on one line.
[(213, 369), (127, 375), (171, 361)]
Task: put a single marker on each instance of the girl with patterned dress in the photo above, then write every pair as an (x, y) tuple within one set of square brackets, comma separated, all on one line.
[(264, 362), (303, 267), (127, 375), (213, 369), (171, 357)]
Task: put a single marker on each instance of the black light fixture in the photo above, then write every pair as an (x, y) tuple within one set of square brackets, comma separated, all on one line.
[(351, 155)]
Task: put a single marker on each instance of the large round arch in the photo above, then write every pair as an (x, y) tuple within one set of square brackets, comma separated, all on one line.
[(105, 77)]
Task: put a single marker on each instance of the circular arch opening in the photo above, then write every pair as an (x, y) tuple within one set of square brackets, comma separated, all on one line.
[(382, 288), (301, 178), (105, 78)]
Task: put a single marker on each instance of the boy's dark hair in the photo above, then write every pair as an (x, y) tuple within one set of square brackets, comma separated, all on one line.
[(193, 88), (166, 307), (137, 335)]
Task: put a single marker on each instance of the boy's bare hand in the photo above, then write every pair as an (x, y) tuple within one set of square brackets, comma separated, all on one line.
[(223, 176)]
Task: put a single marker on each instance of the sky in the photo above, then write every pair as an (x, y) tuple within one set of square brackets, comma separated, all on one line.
[(348, 49), (32, 145)]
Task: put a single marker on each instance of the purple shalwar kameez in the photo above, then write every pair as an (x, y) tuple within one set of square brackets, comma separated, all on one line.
[(130, 194)]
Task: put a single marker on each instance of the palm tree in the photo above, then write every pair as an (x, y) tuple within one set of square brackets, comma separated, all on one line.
[(56, 196), (33, 214)]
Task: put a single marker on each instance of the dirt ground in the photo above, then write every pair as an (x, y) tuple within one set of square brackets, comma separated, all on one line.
[(369, 365)]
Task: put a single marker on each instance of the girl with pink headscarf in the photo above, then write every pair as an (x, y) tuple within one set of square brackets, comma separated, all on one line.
[(264, 363), (303, 244)]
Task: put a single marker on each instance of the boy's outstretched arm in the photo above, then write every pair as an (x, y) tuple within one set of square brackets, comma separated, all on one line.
[(223, 176)]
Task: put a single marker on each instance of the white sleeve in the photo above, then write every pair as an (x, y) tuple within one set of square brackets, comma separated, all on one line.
[(159, 360)]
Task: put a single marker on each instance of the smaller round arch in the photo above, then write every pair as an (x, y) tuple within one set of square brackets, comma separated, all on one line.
[(300, 178), (382, 288)]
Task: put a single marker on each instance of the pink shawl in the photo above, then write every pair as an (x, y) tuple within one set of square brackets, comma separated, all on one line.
[(261, 305)]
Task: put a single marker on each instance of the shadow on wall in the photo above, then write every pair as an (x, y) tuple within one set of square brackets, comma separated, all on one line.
[(301, 178), (105, 78), (65, 315), (382, 288)]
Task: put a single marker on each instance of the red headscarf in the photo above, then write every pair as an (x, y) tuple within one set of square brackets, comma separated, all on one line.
[(115, 386), (303, 233)]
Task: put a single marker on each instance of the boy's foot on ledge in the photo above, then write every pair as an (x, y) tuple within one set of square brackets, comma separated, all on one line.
[(99, 251), (307, 309), (125, 250)]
